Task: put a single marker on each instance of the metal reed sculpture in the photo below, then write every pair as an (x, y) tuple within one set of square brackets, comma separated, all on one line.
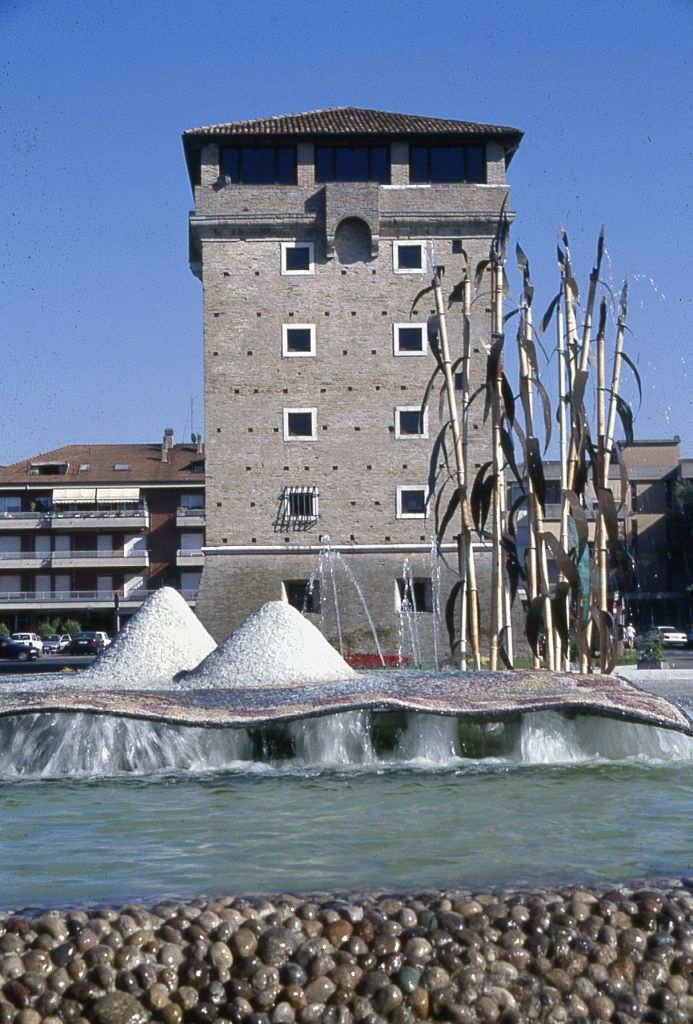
[(570, 608)]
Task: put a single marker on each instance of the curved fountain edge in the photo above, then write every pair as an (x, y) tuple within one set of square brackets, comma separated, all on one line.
[(482, 696)]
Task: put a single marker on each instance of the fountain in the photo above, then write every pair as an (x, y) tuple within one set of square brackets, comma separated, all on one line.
[(272, 766)]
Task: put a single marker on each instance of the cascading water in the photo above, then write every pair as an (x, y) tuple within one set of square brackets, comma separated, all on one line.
[(548, 737), (333, 740), (433, 739), (73, 745)]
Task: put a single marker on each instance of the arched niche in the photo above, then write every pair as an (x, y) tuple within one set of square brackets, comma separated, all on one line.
[(353, 242)]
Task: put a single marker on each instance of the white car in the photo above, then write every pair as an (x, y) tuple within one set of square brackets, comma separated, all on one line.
[(31, 639), (55, 643), (672, 637)]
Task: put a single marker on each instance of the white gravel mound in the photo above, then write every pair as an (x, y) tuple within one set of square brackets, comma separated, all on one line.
[(162, 638), (275, 646)]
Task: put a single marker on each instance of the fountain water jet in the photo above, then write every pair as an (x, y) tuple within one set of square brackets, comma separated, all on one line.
[(329, 561)]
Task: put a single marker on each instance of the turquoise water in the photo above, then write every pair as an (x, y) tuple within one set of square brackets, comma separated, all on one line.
[(258, 829)]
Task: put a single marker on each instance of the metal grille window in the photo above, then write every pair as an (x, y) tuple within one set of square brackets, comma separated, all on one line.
[(300, 504)]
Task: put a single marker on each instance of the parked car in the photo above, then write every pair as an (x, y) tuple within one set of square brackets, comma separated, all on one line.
[(672, 637), (56, 643), (17, 650), (30, 638), (105, 638), (88, 642)]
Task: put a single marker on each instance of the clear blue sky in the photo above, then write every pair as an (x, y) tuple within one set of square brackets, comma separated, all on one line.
[(100, 317)]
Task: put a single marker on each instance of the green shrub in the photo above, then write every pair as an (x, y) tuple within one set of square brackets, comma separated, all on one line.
[(650, 646)]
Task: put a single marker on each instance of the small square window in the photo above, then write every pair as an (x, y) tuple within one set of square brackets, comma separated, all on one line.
[(408, 257), (298, 258), (416, 593), (409, 422), (299, 424), (411, 502), (409, 340), (298, 339), (301, 595)]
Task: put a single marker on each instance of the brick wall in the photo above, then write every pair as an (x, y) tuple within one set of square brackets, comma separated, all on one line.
[(354, 380)]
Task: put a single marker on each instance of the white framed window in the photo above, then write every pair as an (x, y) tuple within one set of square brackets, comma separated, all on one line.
[(298, 340), (410, 339), (300, 424), (409, 422), (408, 257), (298, 258), (412, 500), (300, 504)]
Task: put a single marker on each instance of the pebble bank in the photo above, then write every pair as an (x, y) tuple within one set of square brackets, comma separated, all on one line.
[(163, 637), (567, 955), (275, 646)]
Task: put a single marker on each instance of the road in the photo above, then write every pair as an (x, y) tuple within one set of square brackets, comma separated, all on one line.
[(679, 658), (46, 663)]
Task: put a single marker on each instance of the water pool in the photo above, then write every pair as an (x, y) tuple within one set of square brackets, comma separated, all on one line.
[(555, 801)]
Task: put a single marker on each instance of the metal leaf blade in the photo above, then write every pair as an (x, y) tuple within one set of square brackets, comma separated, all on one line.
[(420, 295), (535, 470)]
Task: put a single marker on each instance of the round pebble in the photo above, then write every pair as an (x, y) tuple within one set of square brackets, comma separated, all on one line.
[(608, 954)]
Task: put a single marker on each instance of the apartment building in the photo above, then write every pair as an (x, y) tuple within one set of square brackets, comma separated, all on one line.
[(88, 531), (656, 533), (653, 583), (312, 235)]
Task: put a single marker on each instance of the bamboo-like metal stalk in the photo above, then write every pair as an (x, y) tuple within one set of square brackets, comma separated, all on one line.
[(460, 478), (497, 601), (563, 657), (526, 386), (601, 525), (470, 593), (586, 657)]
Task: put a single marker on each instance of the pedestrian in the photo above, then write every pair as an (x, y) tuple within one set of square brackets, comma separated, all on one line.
[(630, 636)]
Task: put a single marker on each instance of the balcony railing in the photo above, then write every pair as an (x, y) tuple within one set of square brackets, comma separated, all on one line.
[(84, 596), (58, 516), (108, 554), (46, 559), (190, 556), (25, 556)]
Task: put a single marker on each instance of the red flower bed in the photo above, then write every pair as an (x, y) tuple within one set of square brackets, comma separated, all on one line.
[(373, 661)]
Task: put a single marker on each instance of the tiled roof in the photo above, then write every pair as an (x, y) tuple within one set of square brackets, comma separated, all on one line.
[(352, 121), (144, 460)]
